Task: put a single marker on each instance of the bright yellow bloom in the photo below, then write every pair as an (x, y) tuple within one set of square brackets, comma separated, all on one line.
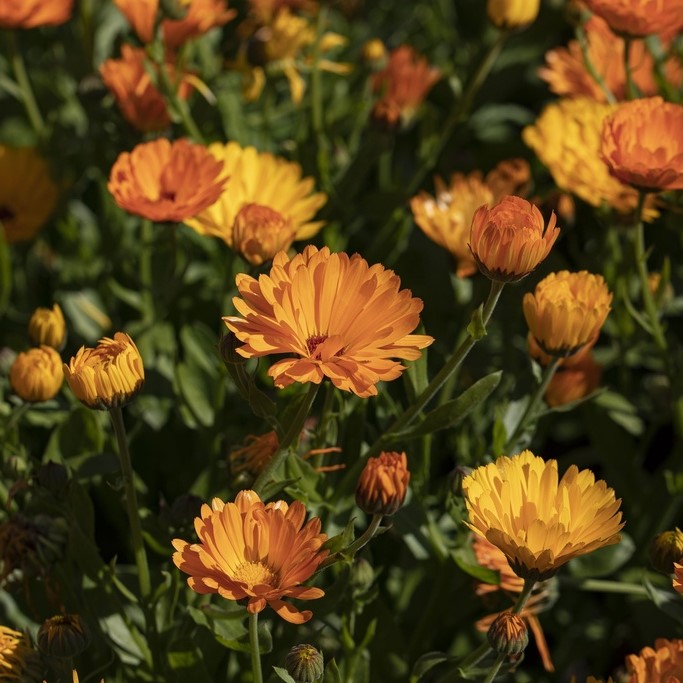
[(666, 549), (374, 51), (661, 664), (639, 17), (264, 179), (678, 576), (16, 655), (25, 14), (333, 315), (254, 552), (511, 239), (47, 327), (27, 193), (109, 375), (642, 144), (539, 522), (512, 13), (383, 484), (567, 311), (36, 374)]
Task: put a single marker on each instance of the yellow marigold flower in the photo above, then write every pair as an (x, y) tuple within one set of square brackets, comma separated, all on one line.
[(571, 383), (678, 576), (17, 658), (27, 193), (337, 316), (36, 374), (260, 232), (489, 556), (447, 217), (512, 13), (47, 327), (539, 522), (566, 138), (511, 239), (64, 635), (661, 664), (166, 181), (383, 484), (108, 376), (665, 549), (264, 179), (254, 552), (23, 14), (642, 144), (639, 17)]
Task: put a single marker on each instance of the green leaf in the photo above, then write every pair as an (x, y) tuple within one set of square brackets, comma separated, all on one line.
[(199, 344), (282, 673), (476, 328), (5, 272), (604, 561), (185, 657), (332, 673), (80, 434), (464, 558), (196, 390), (666, 600), (426, 662)]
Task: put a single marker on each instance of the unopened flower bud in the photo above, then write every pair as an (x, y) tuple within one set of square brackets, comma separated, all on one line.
[(36, 375), (304, 664), (362, 575), (512, 13), (63, 636), (228, 349), (665, 549), (508, 634), (374, 52), (383, 484), (47, 327)]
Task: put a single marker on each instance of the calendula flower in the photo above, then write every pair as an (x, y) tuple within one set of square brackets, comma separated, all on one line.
[(661, 664), (64, 635), (251, 551), (47, 327), (28, 195), (572, 383), (23, 14), (305, 664), (108, 376), (166, 181), (141, 104), (383, 484), (639, 17), (333, 316), (666, 549), (17, 659), (540, 356), (511, 239), (566, 138), (512, 13), (262, 179), (642, 144), (255, 454), (260, 232), (36, 374), (508, 634), (510, 176), (566, 73), (678, 576), (538, 521)]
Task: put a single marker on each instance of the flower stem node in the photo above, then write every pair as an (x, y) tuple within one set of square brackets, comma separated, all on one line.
[(304, 663), (508, 634)]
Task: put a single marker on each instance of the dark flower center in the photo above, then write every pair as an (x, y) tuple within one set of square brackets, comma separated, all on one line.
[(312, 343), (6, 214), (168, 194)]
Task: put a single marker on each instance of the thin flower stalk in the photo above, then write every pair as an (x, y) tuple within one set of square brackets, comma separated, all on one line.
[(27, 97), (255, 648)]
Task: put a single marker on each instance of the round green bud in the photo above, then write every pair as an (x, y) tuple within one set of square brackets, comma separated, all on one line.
[(304, 664)]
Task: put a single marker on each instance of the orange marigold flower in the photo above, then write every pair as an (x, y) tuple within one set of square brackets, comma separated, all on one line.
[(36, 374), (261, 553), (47, 326), (570, 384), (642, 144), (661, 664), (141, 104), (260, 232), (383, 484), (339, 317), (639, 17), (510, 176), (28, 194), (166, 181), (32, 13), (511, 239), (512, 13), (678, 576)]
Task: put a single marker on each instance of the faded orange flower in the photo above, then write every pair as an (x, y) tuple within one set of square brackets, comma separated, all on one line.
[(337, 316), (570, 384), (639, 17), (166, 181), (383, 484), (251, 551), (661, 664), (36, 374), (23, 14), (678, 576), (642, 144)]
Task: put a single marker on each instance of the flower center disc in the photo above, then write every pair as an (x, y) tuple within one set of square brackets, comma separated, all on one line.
[(6, 214), (312, 343), (255, 573)]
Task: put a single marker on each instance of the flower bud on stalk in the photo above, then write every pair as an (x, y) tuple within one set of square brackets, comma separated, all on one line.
[(508, 14), (63, 636), (47, 327), (508, 634), (383, 484), (665, 549), (304, 664)]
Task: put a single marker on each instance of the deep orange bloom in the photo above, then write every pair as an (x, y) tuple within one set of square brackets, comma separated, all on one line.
[(339, 317), (678, 576), (642, 144), (639, 17), (166, 181), (511, 239), (141, 104), (661, 664), (32, 13), (261, 553), (572, 383), (383, 484)]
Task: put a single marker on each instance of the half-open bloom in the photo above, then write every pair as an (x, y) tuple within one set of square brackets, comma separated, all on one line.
[(47, 326), (383, 484), (639, 17), (260, 232), (166, 181), (23, 14), (36, 374), (642, 144), (251, 551), (512, 13), (540, 522), (333, 315), (661, 664)]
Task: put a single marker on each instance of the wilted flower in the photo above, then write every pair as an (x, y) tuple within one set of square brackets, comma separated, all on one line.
[(254, 552), (255, 454), (567, 311), (108, 376), (268, 181), (18, 14), (46, 326), (166, 181), (512, 13), (383, 484), (665, 549), (508, 634), (539, 522), (27, 193), (661, 664), (642, 144), (678, 577), (18, 660), (305, 664), (639, 17), (36, 374), (574, 382), (64, 635), (339, 317)]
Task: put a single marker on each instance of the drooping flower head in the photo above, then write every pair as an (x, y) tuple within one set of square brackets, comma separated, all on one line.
[(383, 484), (642, 144), (639, 17), (248, 550), (511, 239), (567, 311), (109, 375), (512, 13), (166, 181), (18, 660), (333, 316), (28, 195), (47, 326), (540, 522), (36, 374), (24, 14), (661, 664)]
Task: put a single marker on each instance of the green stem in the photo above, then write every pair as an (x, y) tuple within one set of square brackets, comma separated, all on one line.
[(132, 505), (87, 28), (532, 406), (146, 277), (601, 586), (493, 671), (21, 76), (16, 415), (257, 676), (317, 106), (350, 551), (590, 67), (631, 92)]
